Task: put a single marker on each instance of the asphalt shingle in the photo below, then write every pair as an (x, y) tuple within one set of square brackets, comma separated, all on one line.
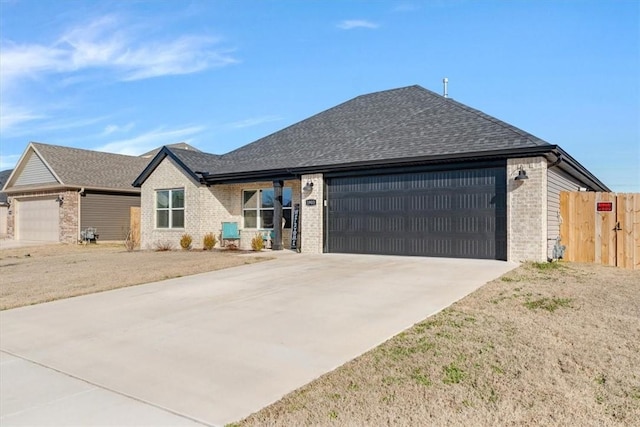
[(91, 169), (394, 124)]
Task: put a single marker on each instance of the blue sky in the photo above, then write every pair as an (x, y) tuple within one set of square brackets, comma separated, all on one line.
[(129, 76)]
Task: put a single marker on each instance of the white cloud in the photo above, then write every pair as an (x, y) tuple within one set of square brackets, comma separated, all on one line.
[(405, 7), (109, 129), (150, 140), (10, 116), (103, 44), (350, 24), (254, 121), (42, 125)]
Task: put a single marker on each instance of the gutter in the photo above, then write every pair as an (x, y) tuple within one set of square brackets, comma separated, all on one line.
[(561, 159), (28, 189), (366, 164)]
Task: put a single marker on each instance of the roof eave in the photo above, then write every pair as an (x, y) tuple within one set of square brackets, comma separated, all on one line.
[(583, 173), (444, 158), (155, 162)]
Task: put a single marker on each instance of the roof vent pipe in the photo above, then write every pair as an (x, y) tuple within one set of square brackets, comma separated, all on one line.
[(445, 83)]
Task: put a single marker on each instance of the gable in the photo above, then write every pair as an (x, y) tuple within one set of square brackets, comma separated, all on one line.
[(35, 171)]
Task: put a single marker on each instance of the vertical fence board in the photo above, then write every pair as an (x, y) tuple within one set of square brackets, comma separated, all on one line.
[(626, 218), (587, 222), (565, 224), (636, 231), (606, 238), (135, 224)]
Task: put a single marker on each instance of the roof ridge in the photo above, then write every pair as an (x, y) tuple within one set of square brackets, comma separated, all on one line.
[(42, 144)]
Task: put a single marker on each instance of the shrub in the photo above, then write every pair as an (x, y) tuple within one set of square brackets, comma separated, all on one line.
[(257, 243), (209, 241), (163, 246), (130, 241), (231, 247), (185, 241)]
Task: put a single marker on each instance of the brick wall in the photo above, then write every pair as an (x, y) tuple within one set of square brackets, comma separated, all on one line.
[(206, 208), (311, 223), (69, 217), (527, 210)]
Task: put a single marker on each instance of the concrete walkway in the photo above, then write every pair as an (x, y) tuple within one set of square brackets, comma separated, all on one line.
[(215, 347)]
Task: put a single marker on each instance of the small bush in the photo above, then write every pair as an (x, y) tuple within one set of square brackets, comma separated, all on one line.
[(209, 241), (257, 243), (231, 247), (163, 246), (130, 242), (185, 241)]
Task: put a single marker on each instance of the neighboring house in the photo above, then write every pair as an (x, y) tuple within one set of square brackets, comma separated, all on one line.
[(56, 192), (398, 172), (4, 204)]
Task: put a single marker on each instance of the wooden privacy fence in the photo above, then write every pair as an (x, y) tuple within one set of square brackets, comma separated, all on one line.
[(601, 228), (134, 227)]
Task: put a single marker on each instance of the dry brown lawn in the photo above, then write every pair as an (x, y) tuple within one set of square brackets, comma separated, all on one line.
[(38, 274), (546, 344)]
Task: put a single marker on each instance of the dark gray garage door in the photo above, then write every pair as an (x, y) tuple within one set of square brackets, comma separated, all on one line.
[(460, 214)]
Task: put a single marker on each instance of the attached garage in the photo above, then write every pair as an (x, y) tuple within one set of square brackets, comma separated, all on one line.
[(38, 219), (454, 213)]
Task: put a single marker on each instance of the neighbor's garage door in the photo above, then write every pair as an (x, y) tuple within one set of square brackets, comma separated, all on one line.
[(459, 213), (38, 220)]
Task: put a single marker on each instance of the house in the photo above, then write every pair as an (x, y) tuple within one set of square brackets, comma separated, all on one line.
[(4, 204), (398, 172), (56, 192)]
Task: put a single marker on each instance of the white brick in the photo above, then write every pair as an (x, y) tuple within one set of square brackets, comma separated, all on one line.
[(527, 210)]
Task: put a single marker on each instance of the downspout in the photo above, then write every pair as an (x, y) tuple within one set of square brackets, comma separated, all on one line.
[(79, 220), (557, 162), (558, 249)]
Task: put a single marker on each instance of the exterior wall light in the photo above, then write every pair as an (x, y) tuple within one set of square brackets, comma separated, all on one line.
[(60, 200), (308, 186), (522, 175)]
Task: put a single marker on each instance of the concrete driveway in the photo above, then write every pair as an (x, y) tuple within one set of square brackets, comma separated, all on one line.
[(215, 347)]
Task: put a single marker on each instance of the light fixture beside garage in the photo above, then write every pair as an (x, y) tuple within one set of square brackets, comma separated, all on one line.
[(60, 199), (522, 175), (308, 186)]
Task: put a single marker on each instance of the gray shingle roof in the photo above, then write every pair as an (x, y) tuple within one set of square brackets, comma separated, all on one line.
[(4, 176), (399, 123), (182, 145), (394, 124), (91, 169)]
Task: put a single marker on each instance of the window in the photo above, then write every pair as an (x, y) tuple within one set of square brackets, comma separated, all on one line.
[(257, 207), (170, 208)]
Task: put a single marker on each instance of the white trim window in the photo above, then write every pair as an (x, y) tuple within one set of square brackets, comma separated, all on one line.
[(170, 208), (257, 207)]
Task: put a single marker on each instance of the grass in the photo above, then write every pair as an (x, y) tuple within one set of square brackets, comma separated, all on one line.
[(549, 304), (547, 344), (73, 270)]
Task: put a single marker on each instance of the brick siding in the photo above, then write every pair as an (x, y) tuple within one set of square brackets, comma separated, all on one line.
[(527, 210), (206, 208)]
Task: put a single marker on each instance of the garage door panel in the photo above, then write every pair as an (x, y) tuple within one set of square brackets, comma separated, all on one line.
[(38, 220), (445, 213)]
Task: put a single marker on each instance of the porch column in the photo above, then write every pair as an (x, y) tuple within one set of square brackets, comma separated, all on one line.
[(276, 245)]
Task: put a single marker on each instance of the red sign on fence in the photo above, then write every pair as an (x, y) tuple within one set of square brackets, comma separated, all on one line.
[(604, 206)]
